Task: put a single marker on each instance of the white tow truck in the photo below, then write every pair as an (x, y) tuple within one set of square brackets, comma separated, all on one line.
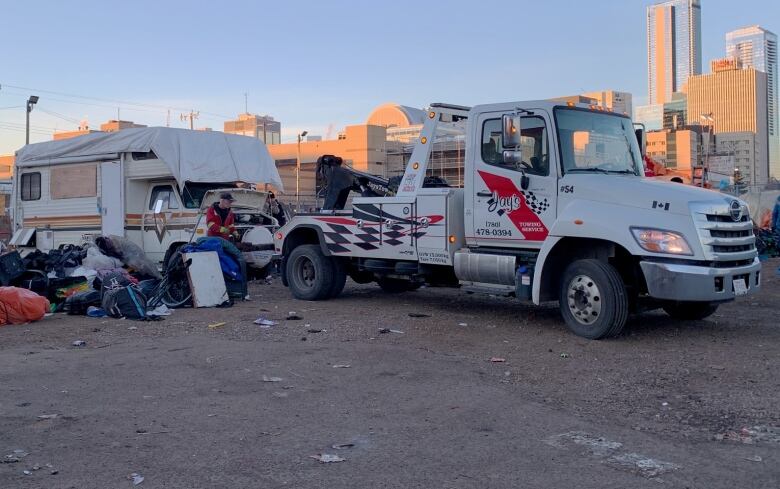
[(555, 208)]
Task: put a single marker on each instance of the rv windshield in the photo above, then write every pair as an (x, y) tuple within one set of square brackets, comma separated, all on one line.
[(192, 194), (597, 142)]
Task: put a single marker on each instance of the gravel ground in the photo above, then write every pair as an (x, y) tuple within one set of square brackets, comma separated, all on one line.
[(684, 404)]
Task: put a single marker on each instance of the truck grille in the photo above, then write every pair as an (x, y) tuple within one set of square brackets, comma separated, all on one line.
[(723, 238)]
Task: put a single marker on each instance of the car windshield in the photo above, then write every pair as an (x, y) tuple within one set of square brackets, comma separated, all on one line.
[(597, 142)]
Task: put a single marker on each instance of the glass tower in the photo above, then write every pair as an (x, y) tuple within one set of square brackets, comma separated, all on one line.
[(756, 47), (673, 47)]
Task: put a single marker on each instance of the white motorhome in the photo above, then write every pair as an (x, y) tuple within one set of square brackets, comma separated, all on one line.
[(555, 207), (151, 185)]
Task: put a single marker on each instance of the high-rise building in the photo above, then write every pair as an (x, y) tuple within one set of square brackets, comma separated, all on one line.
[(673, 47), (734, 100), (262, 127), (756, 47)]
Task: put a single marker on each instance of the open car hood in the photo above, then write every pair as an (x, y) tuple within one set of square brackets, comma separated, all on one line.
[(244, 198)]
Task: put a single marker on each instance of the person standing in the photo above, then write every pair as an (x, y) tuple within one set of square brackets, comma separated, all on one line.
[(220, 218)]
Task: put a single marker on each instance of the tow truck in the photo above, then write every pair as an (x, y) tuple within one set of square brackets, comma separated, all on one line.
[(555, 207)]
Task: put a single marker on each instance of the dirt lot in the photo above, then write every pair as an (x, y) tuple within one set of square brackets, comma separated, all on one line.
[(684, 404)]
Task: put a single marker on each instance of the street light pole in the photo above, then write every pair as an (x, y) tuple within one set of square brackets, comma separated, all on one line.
[(298, 173), (30, 102)]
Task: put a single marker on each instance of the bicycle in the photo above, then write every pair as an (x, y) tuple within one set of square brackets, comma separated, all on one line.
[(174, 288)]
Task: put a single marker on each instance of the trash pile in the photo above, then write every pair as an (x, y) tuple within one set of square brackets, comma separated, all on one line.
[(109, 277), (767, 242)]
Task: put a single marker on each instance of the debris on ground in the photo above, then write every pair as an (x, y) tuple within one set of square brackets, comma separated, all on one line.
[(15, 456), (48, 416), (271, 379), (418, 315), (346, 365), (292, 316), (265, 323), (79, 343), (217, 325), (754, 458), (136, 478), (342, 446), (314, 330), (565, 355), (497, 360), (326, 458), (463, 324), (388, 330), (751, 435)]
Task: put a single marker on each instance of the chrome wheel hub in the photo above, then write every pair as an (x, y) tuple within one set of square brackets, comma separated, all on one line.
[(584, 299)]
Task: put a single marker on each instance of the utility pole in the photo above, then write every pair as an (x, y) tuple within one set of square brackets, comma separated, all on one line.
[(30, 102), (191, 117), (298, 174)]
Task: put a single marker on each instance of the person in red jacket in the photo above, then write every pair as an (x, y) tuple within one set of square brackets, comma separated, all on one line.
[(220, 219)]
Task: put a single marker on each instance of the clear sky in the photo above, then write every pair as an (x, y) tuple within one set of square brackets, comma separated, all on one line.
[(311, 64)]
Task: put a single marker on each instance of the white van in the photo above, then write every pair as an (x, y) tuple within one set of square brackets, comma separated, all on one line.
[(151, 185)]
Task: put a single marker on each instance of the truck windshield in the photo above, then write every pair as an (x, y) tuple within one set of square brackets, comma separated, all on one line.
[(193, 193), (597, 142)]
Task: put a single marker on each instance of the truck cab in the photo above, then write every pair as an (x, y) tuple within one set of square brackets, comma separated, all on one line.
[(555, 207)]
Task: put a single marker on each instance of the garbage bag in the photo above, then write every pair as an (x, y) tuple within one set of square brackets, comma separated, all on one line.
[(19, 306), (98, 261), (131, 255)]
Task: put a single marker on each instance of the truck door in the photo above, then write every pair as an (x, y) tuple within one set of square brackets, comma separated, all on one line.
[(158, 237), (112, 208), (504, 214)]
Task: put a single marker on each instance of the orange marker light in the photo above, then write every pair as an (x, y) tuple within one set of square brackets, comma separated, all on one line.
[(415, 165), (431, 114), (423, 140), (279, 235), (578, 222), (452, 238)]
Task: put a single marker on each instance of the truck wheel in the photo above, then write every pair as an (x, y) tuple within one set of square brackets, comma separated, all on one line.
[(339, 278), (396, 285), (690, 311), (310, 273), (593, 299)]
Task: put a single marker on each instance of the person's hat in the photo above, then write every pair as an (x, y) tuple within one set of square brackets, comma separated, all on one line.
[(226, 196)]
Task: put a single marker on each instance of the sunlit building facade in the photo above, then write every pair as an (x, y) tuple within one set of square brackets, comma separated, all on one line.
[(673, 47), (756, 47)]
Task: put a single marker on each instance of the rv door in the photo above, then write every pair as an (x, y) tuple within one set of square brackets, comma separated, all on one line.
[(112, 200)]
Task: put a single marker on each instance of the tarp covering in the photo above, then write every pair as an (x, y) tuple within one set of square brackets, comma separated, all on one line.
[(192, 156)]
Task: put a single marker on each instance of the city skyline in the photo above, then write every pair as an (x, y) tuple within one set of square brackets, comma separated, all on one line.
[(410, 62)]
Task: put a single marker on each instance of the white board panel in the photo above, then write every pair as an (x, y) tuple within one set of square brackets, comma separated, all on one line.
[(206, 280)]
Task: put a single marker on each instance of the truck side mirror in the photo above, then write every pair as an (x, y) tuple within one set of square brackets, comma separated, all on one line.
[(511, 132), (639, 130)]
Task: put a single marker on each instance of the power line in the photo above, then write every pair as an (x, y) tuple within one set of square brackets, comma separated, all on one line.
[(114, 101), (58, 115)]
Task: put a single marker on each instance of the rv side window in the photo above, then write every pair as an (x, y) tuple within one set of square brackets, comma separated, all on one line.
[(31, 186), (166, 194)]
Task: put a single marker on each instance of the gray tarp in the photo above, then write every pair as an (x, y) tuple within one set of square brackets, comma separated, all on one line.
[(192, 156)]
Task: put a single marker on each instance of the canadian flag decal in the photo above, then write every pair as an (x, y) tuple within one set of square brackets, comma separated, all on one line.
[(508, 199)]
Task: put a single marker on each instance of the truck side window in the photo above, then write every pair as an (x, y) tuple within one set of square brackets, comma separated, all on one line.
[(166, 194), (533, 132), (31, 186)]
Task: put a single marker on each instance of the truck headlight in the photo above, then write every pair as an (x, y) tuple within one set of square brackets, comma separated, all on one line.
[(660, 241)]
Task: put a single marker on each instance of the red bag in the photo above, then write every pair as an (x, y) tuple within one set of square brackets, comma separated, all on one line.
[(19, 306)]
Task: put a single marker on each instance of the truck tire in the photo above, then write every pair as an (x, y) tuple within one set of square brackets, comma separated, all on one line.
[(396, 285), (593, 299), (690, 311), (339, 278), (310, 273)]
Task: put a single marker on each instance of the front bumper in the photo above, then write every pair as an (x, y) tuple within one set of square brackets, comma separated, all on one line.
[(681, 282)]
